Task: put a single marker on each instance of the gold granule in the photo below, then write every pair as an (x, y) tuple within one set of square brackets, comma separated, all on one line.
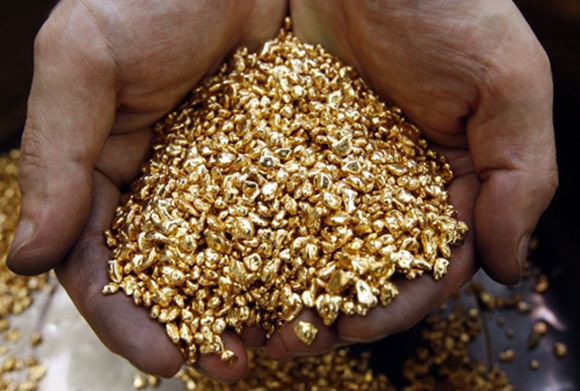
[(152, 381), (523, 307), (35, 338), (229, 358), (533, 340), (283, 183), (540, 328), (560, 349), (507, 355), (306, 332), (541, 284), (139, 381)]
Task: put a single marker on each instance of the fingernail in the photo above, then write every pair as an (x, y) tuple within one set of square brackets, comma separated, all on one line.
[(364, 340), (341, 343), (522, 254), (22, 237), (206, 374)]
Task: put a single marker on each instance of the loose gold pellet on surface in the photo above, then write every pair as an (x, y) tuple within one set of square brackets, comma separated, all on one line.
[(306, 332), (533, 340), (534, 364), (152, 381), (507, 355), (139, 381), (540, 328), (35, 338), (541, 284), (283, 183), (523, 307), (560, 349)]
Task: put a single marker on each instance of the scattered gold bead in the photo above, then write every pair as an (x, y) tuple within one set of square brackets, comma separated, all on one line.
[(560, 349), (523, 307), (507, 355), (540, 328), (541, 284), (139, 381), (35, 338)]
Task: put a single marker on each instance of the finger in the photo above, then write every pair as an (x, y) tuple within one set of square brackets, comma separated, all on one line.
[(254, 337), (512, 143), (122, 326), (275, 349), (213, 367), (418, 297), (71, 109)]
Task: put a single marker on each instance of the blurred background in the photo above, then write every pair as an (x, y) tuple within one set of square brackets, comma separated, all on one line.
[(557, 25)]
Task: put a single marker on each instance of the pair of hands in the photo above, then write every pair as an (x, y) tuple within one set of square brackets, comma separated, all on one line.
[(471, 75)]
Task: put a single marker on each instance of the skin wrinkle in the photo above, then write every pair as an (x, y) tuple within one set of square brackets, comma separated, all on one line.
[(91, 246), (182, 84), (515, 154), (37, 116), (92, 64), (363, 50), (119, 166)]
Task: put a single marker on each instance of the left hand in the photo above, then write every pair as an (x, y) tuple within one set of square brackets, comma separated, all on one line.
[(475, 79)]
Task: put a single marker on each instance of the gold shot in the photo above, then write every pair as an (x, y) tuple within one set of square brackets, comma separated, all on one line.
[(282, 183)]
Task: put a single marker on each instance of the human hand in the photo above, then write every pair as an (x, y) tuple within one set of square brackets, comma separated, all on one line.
[(475, 79), (105, 71)]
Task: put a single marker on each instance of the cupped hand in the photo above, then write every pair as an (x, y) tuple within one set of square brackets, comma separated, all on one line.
[(105, 71), (474, 78)]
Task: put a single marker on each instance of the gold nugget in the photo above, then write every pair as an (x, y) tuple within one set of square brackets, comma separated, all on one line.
[(282, 183), (306, 332)]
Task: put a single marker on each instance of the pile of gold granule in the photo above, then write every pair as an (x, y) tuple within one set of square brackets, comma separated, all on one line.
[(282, 183), (441, 361), (335, 370), (17, 372)]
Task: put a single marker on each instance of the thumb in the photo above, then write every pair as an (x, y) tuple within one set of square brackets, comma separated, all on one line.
[(512, 143), (70, 111)]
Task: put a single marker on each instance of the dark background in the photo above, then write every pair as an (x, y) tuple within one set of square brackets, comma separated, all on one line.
[(557, 25)]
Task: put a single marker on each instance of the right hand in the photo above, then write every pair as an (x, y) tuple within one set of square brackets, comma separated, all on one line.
[(105, 72)]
